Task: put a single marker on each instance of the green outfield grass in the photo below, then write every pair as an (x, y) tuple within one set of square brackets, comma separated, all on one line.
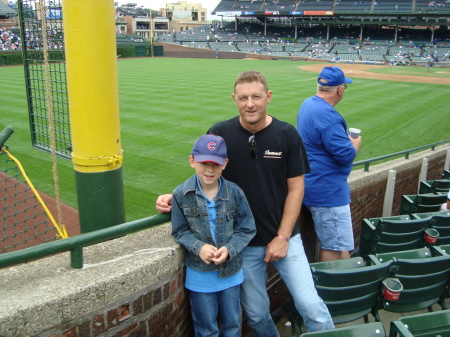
[(165, 104)]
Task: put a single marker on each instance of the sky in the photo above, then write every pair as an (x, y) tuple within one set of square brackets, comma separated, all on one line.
[(157, 4)]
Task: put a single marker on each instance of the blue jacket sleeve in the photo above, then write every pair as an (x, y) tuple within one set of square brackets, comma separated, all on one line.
[(181, 231)]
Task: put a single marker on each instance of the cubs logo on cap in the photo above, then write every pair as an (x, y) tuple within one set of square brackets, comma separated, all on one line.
[(210, 148)]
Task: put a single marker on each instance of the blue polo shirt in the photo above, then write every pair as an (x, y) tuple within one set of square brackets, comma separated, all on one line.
[(330, 153)]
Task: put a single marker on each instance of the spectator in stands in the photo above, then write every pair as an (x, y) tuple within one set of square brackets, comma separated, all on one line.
[(214, 240), (331, 152), (268, 161)]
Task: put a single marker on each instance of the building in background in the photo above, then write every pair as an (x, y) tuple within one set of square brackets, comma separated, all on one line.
[(175, 17), (183, 15), (8, 14)]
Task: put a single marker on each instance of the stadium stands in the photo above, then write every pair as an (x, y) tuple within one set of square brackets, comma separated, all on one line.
[(343, 44)]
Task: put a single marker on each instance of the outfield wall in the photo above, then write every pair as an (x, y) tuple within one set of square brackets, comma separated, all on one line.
[(133, 286)]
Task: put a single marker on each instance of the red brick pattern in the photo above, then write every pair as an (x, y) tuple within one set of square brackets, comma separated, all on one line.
[(163, 311)]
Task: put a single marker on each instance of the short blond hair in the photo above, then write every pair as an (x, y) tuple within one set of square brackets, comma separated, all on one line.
[(251, 76)]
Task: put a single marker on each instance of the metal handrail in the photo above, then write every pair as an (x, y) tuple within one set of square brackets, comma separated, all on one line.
[(367, 162), (76, 243)]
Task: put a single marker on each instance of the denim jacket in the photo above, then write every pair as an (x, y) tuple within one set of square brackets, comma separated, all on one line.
[(235, 226)]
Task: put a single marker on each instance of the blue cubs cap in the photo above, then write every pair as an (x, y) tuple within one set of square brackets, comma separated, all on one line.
[(210, 148), (334, 76)]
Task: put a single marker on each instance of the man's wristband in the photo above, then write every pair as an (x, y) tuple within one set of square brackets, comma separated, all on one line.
[(282, 237)]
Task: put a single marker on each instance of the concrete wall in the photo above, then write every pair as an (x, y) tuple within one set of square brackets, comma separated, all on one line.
[(133, 286)]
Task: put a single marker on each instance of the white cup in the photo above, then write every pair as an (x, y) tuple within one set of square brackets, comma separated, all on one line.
[(354, 133)]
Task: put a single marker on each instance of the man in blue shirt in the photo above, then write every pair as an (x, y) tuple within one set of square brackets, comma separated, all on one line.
[(331, 152)]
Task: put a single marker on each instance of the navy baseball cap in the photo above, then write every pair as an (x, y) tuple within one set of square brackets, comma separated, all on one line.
[(210, 148), (334, 76)]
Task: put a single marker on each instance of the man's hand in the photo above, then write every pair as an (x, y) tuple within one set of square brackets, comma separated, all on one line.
[(164, 203), (207, 253), (276, 250), (220, 256), (356, 142)]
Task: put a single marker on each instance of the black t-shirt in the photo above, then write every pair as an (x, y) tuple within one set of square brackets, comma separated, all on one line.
[(280, 155)]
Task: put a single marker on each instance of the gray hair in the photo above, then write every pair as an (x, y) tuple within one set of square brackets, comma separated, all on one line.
[(327, 88)]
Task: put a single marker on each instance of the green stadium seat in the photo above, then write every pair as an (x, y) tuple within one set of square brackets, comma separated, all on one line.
[(390, 234), (445, 248), (421, 203), (375, 329), (424, 278), (404, 254), (349, 288), (434, 186), (446, 174), (441, 222), (430, 324)]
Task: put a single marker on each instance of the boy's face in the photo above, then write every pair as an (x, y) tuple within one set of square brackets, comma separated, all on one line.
[(208, 172)]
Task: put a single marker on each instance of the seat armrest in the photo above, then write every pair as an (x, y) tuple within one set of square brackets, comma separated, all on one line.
[(372, 260), (399, 327)]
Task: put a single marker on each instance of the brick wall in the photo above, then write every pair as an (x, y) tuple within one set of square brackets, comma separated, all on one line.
[(160, 310)]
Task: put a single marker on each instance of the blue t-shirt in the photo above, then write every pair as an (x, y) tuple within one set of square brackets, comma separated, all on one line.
[(330, 153), (210, 282)]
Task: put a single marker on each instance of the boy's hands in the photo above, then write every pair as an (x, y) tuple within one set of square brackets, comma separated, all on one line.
[(209, 253), (220, 256)]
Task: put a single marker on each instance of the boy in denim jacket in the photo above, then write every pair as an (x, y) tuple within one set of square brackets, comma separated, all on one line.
[(212, 219)]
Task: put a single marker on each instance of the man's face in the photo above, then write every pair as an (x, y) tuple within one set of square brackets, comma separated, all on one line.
[(251, 100)]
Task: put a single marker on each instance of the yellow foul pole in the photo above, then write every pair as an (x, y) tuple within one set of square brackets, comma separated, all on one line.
[(91, 61)]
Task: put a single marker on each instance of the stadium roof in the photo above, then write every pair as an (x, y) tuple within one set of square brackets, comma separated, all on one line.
[(5, 10)]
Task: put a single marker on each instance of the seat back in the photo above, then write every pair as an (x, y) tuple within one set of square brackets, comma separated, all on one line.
[(445, 248), (350, 293), (353, 262), (426, 325), (442, 185), (420, 203), (424, 281), (446, 174), (434, 186), (441, 222), (375, 329), (379, 235), (419, 253)]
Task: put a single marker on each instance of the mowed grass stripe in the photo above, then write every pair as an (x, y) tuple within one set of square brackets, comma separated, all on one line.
[(165, 104)]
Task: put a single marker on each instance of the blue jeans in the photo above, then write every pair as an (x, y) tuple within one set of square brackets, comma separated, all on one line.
[(207, 307), (333, 227), (296, 274)]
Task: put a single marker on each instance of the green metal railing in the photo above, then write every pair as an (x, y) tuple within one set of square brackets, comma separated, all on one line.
[(75, 244), (367, 162)]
